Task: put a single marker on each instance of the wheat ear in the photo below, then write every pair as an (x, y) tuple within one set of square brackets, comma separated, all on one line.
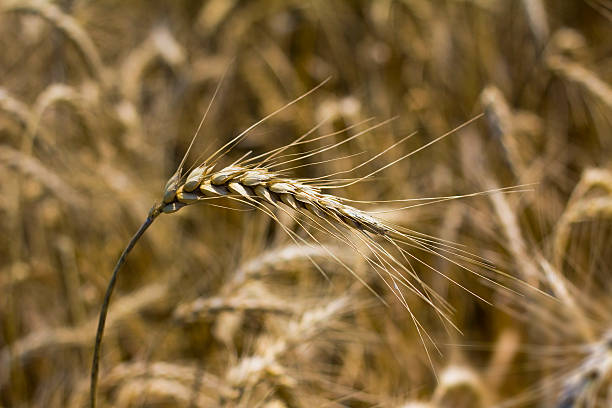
[(258, 184), (264, 186), (156, 210)]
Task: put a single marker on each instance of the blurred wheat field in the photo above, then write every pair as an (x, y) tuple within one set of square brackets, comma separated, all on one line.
[(219, 307)]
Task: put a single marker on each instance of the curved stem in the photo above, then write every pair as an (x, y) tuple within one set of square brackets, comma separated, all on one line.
[(105, 304)]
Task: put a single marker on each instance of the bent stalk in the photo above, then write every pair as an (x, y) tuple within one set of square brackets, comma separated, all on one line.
[(104, 310)]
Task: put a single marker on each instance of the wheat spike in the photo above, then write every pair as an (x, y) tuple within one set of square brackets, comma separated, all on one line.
[(259, 184)]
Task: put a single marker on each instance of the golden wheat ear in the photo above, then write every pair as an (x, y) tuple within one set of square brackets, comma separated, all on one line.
[(174, 187)]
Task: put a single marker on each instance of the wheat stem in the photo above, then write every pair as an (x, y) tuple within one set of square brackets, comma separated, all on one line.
[(104, 310)]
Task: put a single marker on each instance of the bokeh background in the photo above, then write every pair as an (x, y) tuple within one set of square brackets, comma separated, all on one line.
[(98, 103)]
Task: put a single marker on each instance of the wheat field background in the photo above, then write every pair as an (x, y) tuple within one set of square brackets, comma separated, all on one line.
[(217, 306)]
